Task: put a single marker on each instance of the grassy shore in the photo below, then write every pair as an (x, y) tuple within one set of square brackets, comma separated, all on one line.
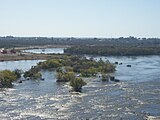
[(26, 56), (30, 56)]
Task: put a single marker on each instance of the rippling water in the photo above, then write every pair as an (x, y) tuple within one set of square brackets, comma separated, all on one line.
[(136, 97), (23, 64)]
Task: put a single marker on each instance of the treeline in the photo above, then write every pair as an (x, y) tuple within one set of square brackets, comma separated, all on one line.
[(9, 41), (113, 50)]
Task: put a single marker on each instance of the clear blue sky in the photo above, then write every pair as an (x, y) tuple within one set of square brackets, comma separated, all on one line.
[(80, 18)]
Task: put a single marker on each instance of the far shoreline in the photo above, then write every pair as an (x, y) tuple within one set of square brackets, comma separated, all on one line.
[(21, 55), (42, 47), (28, 56)]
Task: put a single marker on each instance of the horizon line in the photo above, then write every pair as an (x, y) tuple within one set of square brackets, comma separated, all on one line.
[(98, 37)]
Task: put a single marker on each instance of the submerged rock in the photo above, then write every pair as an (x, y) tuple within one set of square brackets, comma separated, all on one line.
[(112, 78), (120, 63), (28, 78), (116, 80), (20, 81), (128, 65)]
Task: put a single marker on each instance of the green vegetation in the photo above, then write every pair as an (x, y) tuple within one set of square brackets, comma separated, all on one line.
[(50, 64), (69, 67), (65, 77), (6, 78), (18, 73), (10, 41), (114, 50), (77, 84), (105, 78), (79, 65), (33, 73)]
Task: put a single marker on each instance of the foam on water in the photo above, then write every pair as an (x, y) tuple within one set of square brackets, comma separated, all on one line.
[(136, 96)]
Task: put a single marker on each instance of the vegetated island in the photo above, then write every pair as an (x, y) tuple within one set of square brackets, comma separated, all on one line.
[(72, 69)]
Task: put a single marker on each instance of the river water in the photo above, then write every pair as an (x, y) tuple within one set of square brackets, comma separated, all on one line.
[(46, 51), (135, 97)]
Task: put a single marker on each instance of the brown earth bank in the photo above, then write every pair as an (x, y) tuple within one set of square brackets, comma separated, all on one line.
[(27, 56), (20, 55)]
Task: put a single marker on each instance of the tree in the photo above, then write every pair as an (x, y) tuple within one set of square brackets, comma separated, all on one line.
[(18, 72), (37, 75), (33, 73), (65, 77), (6, 78), (77, 84)]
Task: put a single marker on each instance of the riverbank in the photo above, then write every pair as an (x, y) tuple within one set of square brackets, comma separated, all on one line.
[(42, 47), (23, 53), (26, 56)]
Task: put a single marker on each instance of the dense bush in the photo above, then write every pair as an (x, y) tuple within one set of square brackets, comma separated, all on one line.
[(37, 75), (18, 72), (69, 67), (114, 50), (77, 84), (6, 78), (105, 78), (65, 77), (55, 63), (33, 73), (69, 64), (10, 41)]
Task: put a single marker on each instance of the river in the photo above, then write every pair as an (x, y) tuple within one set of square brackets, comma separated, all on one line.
[(135, 97), (46, 51)]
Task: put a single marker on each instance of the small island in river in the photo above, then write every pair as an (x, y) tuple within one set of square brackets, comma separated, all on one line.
[(72, 69)]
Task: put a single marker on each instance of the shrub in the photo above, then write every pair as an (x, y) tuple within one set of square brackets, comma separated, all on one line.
[(65, 77), (77, 84), (6, 78), (33, 73), (105, 78), (18, 72), (37, 75)]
